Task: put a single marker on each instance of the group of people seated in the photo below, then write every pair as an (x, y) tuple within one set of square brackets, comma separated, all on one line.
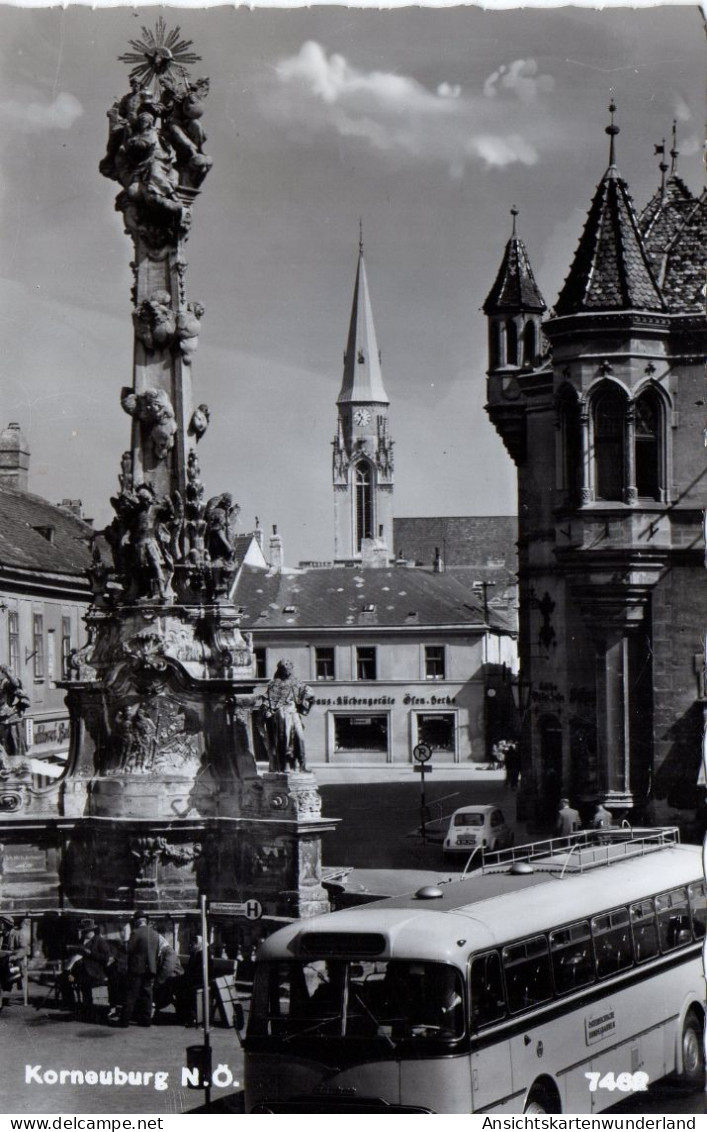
[(142, 971)]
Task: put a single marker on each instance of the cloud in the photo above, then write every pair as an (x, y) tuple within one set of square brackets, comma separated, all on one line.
[(682, 110), (395, 115), (520, 78), (34, 117)]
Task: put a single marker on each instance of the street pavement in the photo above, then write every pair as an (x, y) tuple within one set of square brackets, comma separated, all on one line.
[(38, 1039)]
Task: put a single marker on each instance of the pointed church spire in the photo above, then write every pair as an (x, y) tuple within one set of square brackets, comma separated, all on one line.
[(362, 380), (515, 288), (611, 269)]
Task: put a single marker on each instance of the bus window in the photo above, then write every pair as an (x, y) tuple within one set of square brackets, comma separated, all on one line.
[(673, 919), (612, 942), (698, 908), (487, 998), (527, 970), (644, 930), (572, 958)]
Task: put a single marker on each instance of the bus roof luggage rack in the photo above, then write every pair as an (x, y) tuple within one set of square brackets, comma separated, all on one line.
[(588, 849)]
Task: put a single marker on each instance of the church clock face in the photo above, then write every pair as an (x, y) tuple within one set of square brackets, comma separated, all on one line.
[(362, 416)]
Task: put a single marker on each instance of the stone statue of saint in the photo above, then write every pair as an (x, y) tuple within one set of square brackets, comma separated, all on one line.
[(279, 719), (220, 517), (14, 702)]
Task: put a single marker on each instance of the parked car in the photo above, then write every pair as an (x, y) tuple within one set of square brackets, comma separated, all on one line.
[(472, 826)]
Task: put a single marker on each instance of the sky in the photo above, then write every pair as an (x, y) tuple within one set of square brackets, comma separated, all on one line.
[(429, 125)]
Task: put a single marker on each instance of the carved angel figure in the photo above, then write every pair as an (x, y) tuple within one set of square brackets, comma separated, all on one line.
[(155, 322), (154, 409), (188, 329), (184, 109)]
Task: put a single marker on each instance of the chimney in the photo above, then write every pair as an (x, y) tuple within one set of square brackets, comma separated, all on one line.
[(14, 458), (374, 552), (276, 556), (258, 533), (438, 564)]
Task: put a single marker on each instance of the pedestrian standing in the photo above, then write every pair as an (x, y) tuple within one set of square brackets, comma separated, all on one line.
[(143, 949), (567, 819), (602, 817)]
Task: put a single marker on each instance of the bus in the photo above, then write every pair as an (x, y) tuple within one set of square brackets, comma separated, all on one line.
[(557, 977)]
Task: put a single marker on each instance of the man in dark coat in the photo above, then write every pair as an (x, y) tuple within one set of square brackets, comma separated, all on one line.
[(143, 950)]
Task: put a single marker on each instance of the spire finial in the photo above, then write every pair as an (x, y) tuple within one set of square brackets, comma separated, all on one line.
[(674, 152), (612, 131), (360, 235), (660, 151), (514, 213)]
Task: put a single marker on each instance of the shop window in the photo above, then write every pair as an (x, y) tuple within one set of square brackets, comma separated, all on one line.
[(324, 664), (66, 648), (361, 733), (609, 445), (366, 663), (13, 641), (435, 668), (648, 448), (260, 658), (437, 730), (38, 646)]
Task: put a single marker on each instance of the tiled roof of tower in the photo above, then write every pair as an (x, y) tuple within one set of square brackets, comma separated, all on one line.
[(36, 535), (341, 597), (362, 380), (515, 288), (685, 267), (610, 269), (664, 213)]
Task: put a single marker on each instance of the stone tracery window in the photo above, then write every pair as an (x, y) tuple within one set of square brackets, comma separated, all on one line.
[(648, 446), (363, 502)]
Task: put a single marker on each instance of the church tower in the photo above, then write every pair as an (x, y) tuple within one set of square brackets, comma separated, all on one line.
[(362, 470)]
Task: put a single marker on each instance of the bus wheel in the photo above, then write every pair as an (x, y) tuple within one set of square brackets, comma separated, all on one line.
[(541, 1100), (693, 1061)]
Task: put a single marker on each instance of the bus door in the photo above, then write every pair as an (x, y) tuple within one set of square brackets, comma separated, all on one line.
[(526, 969), (491, 1078)]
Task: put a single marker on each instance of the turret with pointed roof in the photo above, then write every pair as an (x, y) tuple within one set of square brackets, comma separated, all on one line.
[(363, 451), (611, 269), (515, 289)]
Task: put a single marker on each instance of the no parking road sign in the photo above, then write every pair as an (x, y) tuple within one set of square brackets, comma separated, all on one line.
[(249, 909)]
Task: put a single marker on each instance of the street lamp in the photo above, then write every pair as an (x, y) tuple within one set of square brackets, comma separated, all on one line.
[(521, 690)]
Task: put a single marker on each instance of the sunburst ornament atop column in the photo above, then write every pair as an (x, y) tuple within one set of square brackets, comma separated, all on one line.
[(160, 56)]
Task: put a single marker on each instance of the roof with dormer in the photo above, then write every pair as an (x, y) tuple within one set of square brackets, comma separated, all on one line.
[(337, 597), (611, 270), (37, 536), (515, 288), (362, 380)]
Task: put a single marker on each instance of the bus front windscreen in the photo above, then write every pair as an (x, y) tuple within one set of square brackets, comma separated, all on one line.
[(392, 1000)]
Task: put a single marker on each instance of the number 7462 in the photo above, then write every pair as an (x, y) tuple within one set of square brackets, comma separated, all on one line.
[(624, 1082)]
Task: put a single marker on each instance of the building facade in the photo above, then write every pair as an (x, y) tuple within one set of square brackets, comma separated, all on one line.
[(600, 403), (395, 656), (44, 594)]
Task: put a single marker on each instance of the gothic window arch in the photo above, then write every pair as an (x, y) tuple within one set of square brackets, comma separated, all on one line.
[(364, 517), (530, 343), (649, 445), (511, 343), (609, 429), (496, 345), (569, 423)]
